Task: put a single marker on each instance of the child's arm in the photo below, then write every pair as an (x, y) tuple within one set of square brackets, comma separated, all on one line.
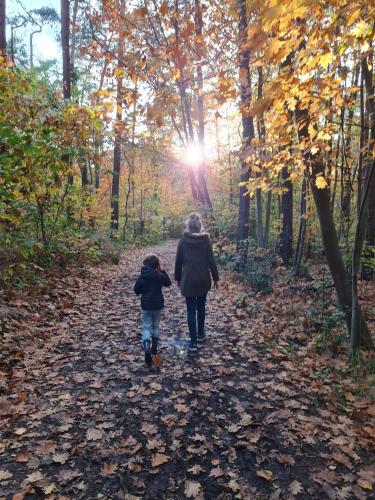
[(138, 288), (165, 279)]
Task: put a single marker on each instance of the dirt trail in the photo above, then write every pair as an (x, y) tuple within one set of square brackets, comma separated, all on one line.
[(240, 419)]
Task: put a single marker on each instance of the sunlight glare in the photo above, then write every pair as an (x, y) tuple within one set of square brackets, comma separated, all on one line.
[(194, 154)]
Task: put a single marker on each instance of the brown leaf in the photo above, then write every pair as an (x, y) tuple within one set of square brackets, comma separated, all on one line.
[(285, 459), (158, 459), (196, 469), (265, 474), (5, 474), (216, 472), (192, 489), (34, 477), (108, 469), (93, 434), (60, 458)]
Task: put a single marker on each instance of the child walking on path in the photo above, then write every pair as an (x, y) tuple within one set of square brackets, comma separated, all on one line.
[(149, 285)]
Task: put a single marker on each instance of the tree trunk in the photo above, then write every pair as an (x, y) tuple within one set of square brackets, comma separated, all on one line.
[(247, 126), (346, 166), (39, 30), (185, 105), (268, 218), (260, 240), (334, 258), (286, 235), (261, 135), (118, 129), (74, 28), (84, 173), (3, 38), (355, 337), (202, 175), (65, 29), (302, 229), (370, 102)]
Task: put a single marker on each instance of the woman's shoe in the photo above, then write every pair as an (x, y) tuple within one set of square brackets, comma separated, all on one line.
[(192, 347)]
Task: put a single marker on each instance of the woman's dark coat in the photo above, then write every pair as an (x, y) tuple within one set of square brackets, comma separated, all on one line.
[(195, 263)]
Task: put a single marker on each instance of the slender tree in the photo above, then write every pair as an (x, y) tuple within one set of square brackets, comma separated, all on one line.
[(286, 235), (65, 30), (247, 125), (118, 125), (3, 39)]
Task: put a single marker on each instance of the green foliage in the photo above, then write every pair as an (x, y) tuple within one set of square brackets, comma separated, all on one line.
[(42, 139)]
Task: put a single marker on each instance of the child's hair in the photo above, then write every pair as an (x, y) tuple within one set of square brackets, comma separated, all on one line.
[(152, 261), (194, 223)]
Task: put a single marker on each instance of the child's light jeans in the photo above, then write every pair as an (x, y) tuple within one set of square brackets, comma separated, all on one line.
[(150, 322)]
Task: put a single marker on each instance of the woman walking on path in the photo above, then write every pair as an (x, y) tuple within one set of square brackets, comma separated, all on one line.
[(195, 263)]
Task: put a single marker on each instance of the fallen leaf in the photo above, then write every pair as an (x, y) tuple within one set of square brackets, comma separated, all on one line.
[(216, 472), (4, 474), (192, 489), (94, 434), (60, 458), (108, 469), (158, 459), (366, 485), (196, 469), (34, 477), (20, 431), (265, 474), (295, 487)]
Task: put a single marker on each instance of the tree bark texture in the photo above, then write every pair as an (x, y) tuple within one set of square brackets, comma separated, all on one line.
[(247, 126)]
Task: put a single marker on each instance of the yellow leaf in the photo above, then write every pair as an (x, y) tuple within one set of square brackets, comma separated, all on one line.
[(360, 29), (293, 176), (176, 73), (312, 131), (325, 59), (320, 182), (366, 485), (324, 136)]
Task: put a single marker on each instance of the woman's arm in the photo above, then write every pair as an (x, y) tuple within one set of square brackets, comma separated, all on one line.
[(178, 262), (212, 263)]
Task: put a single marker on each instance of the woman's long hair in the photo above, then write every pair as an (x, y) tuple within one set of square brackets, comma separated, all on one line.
[(194, 223)]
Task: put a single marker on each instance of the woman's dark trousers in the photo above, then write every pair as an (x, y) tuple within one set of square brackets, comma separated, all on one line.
[(196, 312)]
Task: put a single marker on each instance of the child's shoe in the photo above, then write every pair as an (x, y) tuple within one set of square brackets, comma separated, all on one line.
[(154, 348), (156, 360), (192, 347), (148, 357)]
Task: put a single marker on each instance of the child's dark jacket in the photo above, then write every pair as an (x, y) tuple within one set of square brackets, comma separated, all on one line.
[(150, 284)]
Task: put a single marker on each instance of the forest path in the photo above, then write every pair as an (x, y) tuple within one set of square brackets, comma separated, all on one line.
[(240, 419)]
